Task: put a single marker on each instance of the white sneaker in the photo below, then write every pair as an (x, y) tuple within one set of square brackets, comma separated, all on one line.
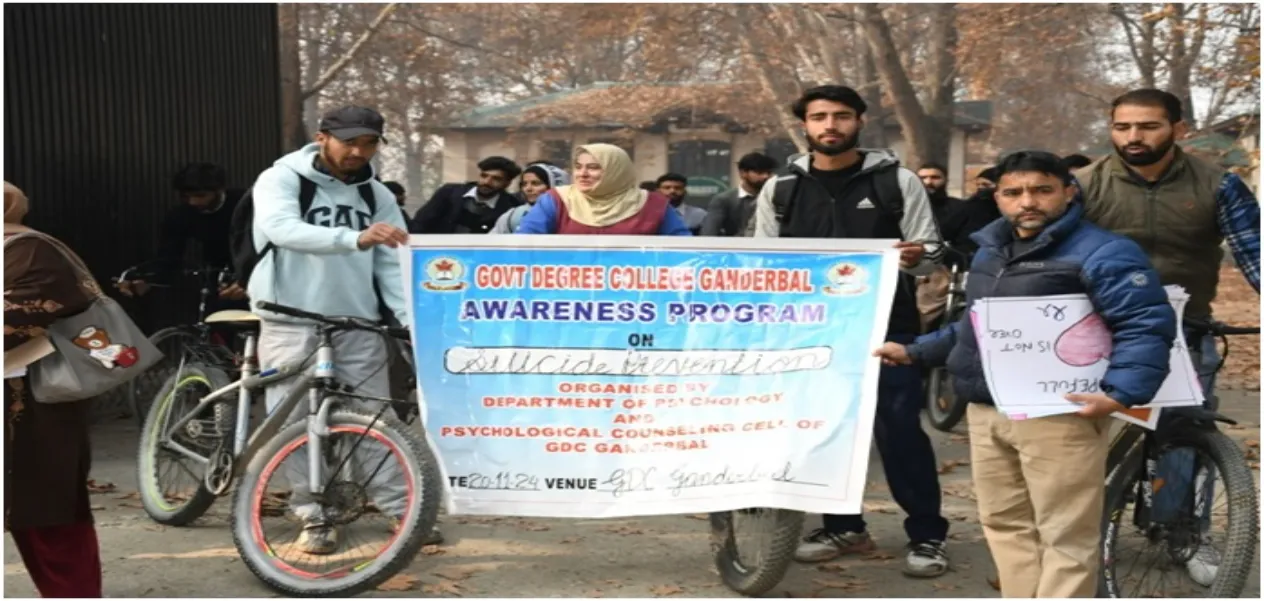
[(1204, 565), (926, 559), (824, 546)]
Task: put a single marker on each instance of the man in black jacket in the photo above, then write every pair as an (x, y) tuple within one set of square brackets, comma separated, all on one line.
[(839, 191), (472, 207), (730, 211)]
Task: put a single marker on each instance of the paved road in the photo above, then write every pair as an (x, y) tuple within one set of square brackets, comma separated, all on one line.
[(511, 557)]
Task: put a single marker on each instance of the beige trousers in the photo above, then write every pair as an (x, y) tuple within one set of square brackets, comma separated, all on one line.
[(932, 295), (1040, 485)]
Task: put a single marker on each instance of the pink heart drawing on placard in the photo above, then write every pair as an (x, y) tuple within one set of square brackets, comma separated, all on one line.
[(1085, 343)]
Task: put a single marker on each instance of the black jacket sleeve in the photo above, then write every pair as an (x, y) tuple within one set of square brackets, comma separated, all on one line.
[(433, 217)]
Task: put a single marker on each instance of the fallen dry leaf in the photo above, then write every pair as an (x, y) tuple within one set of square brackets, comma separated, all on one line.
[(1252, 454), (399, 582), (134, 495), (432, 550), (97, 508), (615, 583), (1255, 465), (623, 530), (879, 556), (1253, 444), (442, 587), (698, 516), (131, 505), (97, 488), (847, 585), (666, 590), (959, 438), (831, 567), (570, 540), (951, 464), (595, 593), (457, 572), (994, 582), (944, 586)]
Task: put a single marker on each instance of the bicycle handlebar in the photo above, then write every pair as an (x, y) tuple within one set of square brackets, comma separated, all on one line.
[(194, 272), (353, 323), (1217, 328)]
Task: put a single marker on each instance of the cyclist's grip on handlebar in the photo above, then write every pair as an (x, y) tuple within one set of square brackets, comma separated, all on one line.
[(291, 311)]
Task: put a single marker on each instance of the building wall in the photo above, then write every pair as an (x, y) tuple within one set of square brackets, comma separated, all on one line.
[(463, 149), (104, 102)]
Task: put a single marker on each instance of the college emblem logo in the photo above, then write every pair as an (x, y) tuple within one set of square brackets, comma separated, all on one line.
[(846, 279), (444, 275)]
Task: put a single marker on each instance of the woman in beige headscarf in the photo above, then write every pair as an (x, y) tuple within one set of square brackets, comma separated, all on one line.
[(46, 452), (604, 199)]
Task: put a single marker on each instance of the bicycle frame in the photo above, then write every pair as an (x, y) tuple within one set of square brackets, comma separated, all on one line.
[(315, 376)]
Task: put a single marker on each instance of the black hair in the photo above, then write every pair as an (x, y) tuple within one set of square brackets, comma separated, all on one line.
[(200, 177), (648, 186), (1075, 161), (757, 161), (395, 187), (935, 166), (502, 164), (671, 177), (989, 174), (1038, 161), (1151, 97), (840, 94)]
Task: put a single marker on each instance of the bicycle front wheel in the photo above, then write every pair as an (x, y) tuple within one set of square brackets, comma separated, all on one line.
[(1197, 534), (943, 408), (358, 452), (142, 389), (753, 567)]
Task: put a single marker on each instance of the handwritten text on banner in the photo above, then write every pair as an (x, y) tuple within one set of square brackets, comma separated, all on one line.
[(605, 376)]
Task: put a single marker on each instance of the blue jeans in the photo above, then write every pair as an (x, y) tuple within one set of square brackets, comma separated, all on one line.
[(908, 459), (1177, 467)]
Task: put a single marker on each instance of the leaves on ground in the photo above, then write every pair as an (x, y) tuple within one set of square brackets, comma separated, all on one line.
[(399, 582), (944, 586), (443, 587), (131, 496), (666, 590), (131, 505), (879, 556), (623, 530), (457, 572), (1252, 444), (698, 516), (97, 488), (571, 540), (994, 582), (952, 464), (959, 438), (432, 550), (831, 567), (848, 584)]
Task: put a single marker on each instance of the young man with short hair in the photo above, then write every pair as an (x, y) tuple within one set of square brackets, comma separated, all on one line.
[(730, 211), (841, 191), (333, 260), (471, 207), (1180, 209), (674, 187), (1039, 482)]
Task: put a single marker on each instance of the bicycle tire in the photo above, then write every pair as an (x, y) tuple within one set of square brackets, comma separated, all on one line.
[(939, 386), (402, 550), (778, 553), (146, 454), (1238, 557), (142, 389)]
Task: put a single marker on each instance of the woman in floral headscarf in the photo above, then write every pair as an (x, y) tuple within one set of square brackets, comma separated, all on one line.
[(46, 452), (536, 179), (604, 199)]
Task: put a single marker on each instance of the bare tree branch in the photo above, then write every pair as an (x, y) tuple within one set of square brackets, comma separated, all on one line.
[(351, 53)]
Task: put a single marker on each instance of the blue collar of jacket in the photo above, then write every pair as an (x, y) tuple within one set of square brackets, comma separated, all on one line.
[(1000, 233)]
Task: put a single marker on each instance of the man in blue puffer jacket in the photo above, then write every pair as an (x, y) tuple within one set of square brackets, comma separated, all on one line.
[(1039, 481)]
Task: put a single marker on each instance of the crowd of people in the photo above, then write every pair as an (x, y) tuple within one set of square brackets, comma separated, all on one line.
[(1117, 228)]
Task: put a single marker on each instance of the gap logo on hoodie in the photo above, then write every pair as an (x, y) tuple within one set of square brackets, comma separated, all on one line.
[(339, 216)]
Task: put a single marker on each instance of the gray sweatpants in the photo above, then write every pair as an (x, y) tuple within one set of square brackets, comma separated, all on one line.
[(359, 361)]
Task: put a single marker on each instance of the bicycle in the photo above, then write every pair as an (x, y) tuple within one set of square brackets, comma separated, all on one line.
[(1176, 533), (216, 434), (199, 342), (943, 408), (772, 556)]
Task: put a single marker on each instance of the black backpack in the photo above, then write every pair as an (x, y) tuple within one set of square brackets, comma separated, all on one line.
[(241, 240), (886, 184)]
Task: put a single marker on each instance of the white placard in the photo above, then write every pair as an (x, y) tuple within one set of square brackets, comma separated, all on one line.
[(1036, 350)]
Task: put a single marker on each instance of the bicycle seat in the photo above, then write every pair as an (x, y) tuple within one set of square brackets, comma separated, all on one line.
[(232, 316)]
